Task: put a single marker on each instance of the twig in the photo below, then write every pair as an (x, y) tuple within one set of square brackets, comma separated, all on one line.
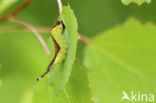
[(81, 38), (60, 6), (16, 10), (22, 28), (34, 30), (84, 39)]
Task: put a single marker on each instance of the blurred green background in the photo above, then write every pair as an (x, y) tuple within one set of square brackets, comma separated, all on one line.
[(22, 58), (93, 16)]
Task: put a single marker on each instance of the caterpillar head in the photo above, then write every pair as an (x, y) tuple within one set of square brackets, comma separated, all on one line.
[(57, 23)]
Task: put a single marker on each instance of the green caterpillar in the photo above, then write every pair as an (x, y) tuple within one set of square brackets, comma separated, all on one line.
[(60, 45)]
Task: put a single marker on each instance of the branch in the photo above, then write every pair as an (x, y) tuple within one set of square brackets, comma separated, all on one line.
[(16, 10), (81, 38), (34, 30), (84, 39), (60, 6)]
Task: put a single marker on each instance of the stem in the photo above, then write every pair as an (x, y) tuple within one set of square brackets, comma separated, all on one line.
[(16, 10), (60, 6), (82, 38), (85, 39), (34, 30)]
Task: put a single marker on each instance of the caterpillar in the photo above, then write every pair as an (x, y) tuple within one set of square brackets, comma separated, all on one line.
[(60, 45)]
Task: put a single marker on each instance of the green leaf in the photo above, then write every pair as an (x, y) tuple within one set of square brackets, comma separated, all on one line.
[(139, 2), (59, 76), (5, 4), (76, 91), (122, 59), (22, 60), (27, 97), (41, 92)]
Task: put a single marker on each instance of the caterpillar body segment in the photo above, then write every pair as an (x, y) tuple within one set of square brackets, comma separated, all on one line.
[(60, 46)]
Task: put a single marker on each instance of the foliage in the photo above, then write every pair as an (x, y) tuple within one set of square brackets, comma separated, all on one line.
[(59, 76), (139, 2), (125, 58), (6, 4), (120, 58)]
